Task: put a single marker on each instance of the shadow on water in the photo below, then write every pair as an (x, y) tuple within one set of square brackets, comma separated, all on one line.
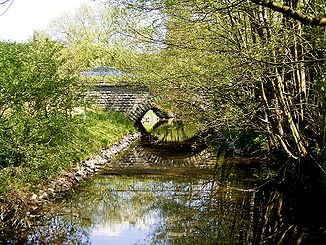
[(291, 209), (182, 195)]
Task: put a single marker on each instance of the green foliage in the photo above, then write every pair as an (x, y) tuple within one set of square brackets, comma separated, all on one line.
[(97, 36), (71, 142), (251, 142), (36, 99), (38, 133), (193, 73), (234, 66), (240, 143)]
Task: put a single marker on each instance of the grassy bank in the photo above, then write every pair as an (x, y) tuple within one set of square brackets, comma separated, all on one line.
[(76, 141)]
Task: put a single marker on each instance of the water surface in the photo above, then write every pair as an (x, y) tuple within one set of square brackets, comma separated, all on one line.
[(171, 193), (143, 198)]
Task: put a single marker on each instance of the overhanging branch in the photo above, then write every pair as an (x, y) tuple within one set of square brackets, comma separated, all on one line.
[(4, 2), (294, 14)]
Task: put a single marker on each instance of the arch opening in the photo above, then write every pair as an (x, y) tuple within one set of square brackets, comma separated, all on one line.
[(149, 118)]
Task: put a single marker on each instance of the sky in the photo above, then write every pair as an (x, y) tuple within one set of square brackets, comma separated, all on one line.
[(24, 16)]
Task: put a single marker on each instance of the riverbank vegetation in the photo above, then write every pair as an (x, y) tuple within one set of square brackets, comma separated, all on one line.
[(40, 133), (75, 142)]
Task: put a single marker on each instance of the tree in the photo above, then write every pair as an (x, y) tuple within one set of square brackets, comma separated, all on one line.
[(98, 36), (87, 36), (257, 64), (37, 97)]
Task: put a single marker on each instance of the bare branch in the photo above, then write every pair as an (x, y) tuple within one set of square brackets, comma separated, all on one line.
[(4, 2)]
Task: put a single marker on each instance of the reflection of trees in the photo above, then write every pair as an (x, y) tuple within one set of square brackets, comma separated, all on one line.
[(220, 207), (173, 132), (101, 202), (284, 219), (112, 200), (198, 209), (59, 231), (217, 210)]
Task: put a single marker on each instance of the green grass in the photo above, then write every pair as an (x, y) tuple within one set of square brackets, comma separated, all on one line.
[(76, 142)]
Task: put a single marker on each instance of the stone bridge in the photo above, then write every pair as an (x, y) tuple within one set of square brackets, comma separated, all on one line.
[(133, 101)]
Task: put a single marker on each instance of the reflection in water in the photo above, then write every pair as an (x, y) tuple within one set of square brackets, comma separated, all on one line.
[(180, 204), (170, 131), (148, 201), (173, 132), (148, 210), (289, 219)]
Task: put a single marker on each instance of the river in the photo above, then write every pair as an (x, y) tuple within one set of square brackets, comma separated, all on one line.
[(172, 193)]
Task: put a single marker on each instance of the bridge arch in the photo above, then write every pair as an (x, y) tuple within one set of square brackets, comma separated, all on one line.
[(133, 101)]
